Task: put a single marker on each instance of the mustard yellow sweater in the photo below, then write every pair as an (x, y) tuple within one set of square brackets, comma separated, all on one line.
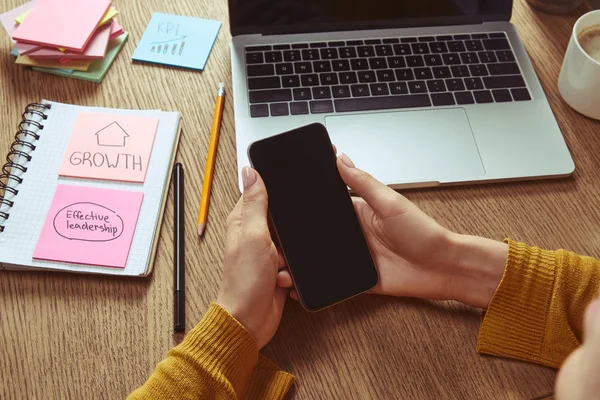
[(535, 315)]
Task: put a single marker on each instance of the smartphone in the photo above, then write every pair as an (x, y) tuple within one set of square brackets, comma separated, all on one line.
[(313, 217)]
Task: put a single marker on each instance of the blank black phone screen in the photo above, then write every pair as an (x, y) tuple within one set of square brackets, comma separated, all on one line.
[(313, 216)]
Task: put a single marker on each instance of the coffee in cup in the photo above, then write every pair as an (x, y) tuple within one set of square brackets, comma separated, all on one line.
[(589, 39)]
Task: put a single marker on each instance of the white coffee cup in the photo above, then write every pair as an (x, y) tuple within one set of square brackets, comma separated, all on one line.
[(579, 80)]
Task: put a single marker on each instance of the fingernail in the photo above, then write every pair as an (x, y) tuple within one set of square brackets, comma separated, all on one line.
[(249, 177), (347, 161)]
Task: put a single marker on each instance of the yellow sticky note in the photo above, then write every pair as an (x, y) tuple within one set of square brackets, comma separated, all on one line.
[(110, 14), (77, 65)]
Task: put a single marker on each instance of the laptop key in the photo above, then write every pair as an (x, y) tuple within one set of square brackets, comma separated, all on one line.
[(310, 80), (310, 55), (505, 56), (258, 48), (273, 57), (487, 57), (303, 68), (426, 39), (290, 81), (438, 47), (323, 92), (329, 79), (520, 94), (260, 70), (423, 73), (478, 70), (504, 69), (340, 91), (259, 110), (474, 83), (299, 108), (417, 87), (348, 77), (386, 75), (336, 44), (504, 82), (255, 58), (501, 95), (444, 38), (420, 48), (347, 52), (391, 41), (354, 43), (284, 69), (281, 47), (433, 60), (318, 45), (322, 66), (292, 55), (496, 35), (483, 96), (379, 89), (464, 98), (398, 88), (300, 46), (366, 76), (384, 50), (469, 58), (441, 72), (278, 109), (405, 74), (479, 36), (442, 99), (359, 64), (373, 41), (396, 62), (382, 103), (436, 86), (360, 91), (462, 37), (402, 49), (415, 61), (474, 45), (460, 71), (455, 85), (456, 47), (302, 94), (270, 82), (329, 54), (378, 63), (320, 107), (496, 44), (340, 65), (451, 59), (270, 96), (365, 51)]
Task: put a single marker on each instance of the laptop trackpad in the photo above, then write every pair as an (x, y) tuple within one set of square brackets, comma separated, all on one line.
[(409, 146)]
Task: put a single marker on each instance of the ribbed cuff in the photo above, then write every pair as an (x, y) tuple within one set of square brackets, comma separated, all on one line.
[(515, 321), (268, 381), (223, 345)]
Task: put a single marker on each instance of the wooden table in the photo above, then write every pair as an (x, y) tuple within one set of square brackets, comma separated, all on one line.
[(79, 337)]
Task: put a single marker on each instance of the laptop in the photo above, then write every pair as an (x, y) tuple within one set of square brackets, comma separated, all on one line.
[(417, 93)]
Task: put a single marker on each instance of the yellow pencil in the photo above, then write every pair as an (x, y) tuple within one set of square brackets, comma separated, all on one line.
[(210, 161)]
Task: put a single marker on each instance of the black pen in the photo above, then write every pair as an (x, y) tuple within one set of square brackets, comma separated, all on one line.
[(179, 251)]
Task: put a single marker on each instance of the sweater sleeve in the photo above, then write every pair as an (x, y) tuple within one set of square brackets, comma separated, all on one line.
[(218, 359), (537, 311)]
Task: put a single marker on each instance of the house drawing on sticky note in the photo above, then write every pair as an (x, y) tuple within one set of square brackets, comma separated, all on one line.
[(112, 135)]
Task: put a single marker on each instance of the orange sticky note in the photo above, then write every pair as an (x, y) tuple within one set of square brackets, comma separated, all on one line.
[(77, 65), (62, 23), (89, 226), (110, 147)]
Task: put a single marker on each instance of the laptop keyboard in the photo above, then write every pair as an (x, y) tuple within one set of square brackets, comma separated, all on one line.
[(381, 74)]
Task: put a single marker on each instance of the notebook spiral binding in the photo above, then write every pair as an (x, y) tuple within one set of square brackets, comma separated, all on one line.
[(19, 155)]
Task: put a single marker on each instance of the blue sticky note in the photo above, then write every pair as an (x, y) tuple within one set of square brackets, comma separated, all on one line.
[(178, 41), (14, 53)]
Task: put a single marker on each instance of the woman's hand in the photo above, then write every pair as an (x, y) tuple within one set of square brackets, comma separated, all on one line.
[(249, 291), (414, 255)]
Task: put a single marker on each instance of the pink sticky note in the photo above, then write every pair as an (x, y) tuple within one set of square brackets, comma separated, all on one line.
[(24, 48), (96, 49), (62, 23), (89, 226), (8, 18), (110, 146), (116, 30)]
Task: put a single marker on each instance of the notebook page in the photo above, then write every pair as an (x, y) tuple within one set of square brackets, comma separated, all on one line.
[(31, 204)]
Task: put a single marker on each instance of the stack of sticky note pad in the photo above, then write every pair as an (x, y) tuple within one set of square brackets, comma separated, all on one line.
[(73, 38)]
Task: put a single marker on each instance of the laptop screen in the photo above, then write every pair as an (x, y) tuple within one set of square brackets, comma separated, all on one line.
[(288, 16)]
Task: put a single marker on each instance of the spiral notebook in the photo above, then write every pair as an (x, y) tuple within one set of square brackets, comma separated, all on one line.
[(35, 176)]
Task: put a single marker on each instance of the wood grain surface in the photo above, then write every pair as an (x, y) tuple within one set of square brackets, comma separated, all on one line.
[(67, 336)]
